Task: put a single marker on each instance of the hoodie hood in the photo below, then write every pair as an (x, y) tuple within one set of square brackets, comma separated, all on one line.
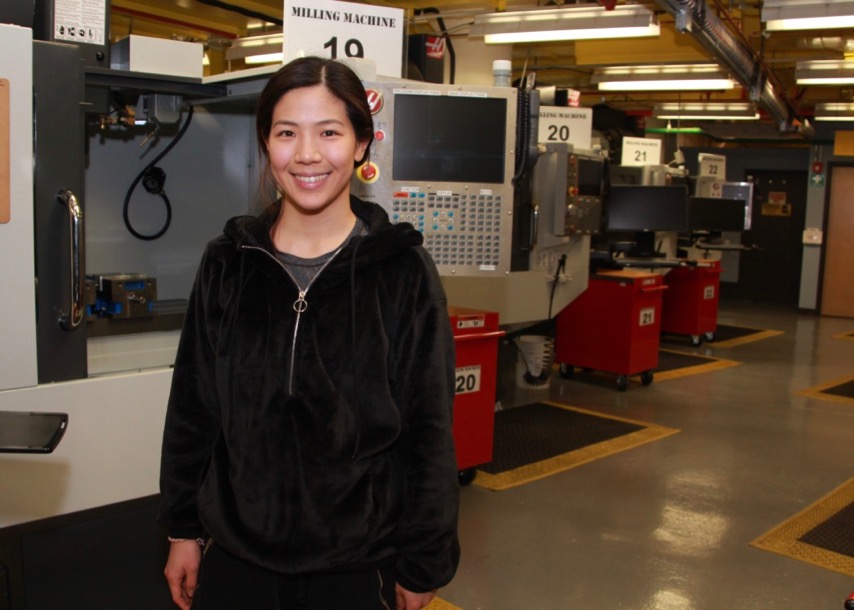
[(384, 240)]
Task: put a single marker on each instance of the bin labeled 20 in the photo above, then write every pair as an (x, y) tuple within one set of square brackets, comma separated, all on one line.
[(467, 380)]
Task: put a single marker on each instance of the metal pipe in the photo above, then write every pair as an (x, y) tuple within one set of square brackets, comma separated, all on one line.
[(736, 55)]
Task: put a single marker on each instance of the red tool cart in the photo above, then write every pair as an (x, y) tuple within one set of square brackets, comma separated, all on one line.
[(690, 303), (476, 337), (613, 326)]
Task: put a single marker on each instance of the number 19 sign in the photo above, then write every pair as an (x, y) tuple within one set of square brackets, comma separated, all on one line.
[(343, 29)]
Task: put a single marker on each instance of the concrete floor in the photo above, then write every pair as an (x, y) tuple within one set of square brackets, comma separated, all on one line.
[(667, 525)]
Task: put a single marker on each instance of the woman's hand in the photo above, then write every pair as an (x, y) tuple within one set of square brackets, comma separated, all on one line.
[(182, 571), (407, 600)]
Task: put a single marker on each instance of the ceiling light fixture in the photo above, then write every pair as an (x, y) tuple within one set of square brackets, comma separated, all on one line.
[(580, 22), (824, 72), (834, 111), (786, 15), (706, 111), (686, 77)]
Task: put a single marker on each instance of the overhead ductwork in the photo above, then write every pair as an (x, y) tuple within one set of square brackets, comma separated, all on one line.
[(733, 52)]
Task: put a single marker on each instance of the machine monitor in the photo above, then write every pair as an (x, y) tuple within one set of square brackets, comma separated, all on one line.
[(449, 139), (590, 175), (647, 208), (716, 214), (443, 160)]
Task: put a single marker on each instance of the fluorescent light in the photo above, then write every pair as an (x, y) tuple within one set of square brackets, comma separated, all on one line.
[(266, 58), (785, 15), (834, 111), (686, 77), (707, 111), (256, 49), (824, 72), (570, 23)]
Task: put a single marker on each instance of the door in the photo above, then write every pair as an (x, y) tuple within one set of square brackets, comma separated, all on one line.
[(837, 278), (772, 273), (58, 149)]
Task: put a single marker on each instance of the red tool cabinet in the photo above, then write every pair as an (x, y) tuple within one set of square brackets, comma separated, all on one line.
[(476, 335), (613, 326), (690, 303)]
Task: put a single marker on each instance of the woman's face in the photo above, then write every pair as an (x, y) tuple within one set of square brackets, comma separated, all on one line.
[(312, 148)]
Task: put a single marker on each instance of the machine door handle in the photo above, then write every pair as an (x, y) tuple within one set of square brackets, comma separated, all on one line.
[(535, 224), (658, 288), (72, 319)]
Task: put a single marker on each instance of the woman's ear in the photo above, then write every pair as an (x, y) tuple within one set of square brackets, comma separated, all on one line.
[(359, 155)]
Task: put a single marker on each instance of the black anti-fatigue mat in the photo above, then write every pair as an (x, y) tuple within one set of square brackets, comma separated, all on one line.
[(541, 439), (839, 390), (730, 336), (835, 534), (673, 364), (821, 534)]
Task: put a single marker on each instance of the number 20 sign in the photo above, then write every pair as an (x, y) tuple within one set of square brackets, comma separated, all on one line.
[(343, 29)]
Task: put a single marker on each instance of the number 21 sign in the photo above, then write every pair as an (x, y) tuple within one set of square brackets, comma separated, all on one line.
[(337, 30)]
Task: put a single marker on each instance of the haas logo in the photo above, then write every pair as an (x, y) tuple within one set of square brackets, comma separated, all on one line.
[(375, 100), (435, 46)]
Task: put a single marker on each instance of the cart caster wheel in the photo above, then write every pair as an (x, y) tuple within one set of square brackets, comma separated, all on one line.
[(622, 383), (710, 337), (567, 371), (646, 377), (696, 340), (467, 476)]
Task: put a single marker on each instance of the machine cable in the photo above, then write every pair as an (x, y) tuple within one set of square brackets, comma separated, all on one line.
[(153, 178)]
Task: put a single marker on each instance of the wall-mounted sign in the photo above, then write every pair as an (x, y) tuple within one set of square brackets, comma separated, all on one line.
[(776, 205), (337, 30), (569, 125), (641, 151)]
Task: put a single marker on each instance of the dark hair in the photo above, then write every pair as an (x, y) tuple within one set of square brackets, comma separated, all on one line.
[(339, 79)]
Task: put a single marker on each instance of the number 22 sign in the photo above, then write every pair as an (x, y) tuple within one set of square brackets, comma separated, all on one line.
[(337, 30)]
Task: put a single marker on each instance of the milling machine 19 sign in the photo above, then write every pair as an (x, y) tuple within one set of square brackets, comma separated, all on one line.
[(338, 30)]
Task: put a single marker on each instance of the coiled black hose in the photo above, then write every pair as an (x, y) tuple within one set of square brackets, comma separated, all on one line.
[(153, 179)]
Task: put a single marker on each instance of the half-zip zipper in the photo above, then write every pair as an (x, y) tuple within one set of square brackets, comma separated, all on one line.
[(300, 305)]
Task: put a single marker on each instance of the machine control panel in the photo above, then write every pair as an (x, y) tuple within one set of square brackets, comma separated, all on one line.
[(583, 212), (459, 228), (442, 159)]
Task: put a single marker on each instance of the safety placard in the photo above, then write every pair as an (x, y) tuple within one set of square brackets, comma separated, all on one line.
[(467, 380), (80, 20), (338, 30), (647, 316), (473, 321), (708, 292)]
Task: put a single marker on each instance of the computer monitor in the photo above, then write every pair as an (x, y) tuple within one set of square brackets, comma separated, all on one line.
[(715, 214), (647, 208)]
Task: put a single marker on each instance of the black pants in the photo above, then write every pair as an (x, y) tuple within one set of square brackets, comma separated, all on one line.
[(229, 583)]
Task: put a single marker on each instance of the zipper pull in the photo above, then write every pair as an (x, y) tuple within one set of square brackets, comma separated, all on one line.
[(300, 305)]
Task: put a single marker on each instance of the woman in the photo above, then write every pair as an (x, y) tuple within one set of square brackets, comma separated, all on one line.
[(308, 431)]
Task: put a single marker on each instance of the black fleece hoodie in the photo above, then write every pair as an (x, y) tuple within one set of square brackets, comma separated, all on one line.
[(316, 441)]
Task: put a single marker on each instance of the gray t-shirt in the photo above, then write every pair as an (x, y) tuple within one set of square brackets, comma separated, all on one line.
[(303, 270)]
